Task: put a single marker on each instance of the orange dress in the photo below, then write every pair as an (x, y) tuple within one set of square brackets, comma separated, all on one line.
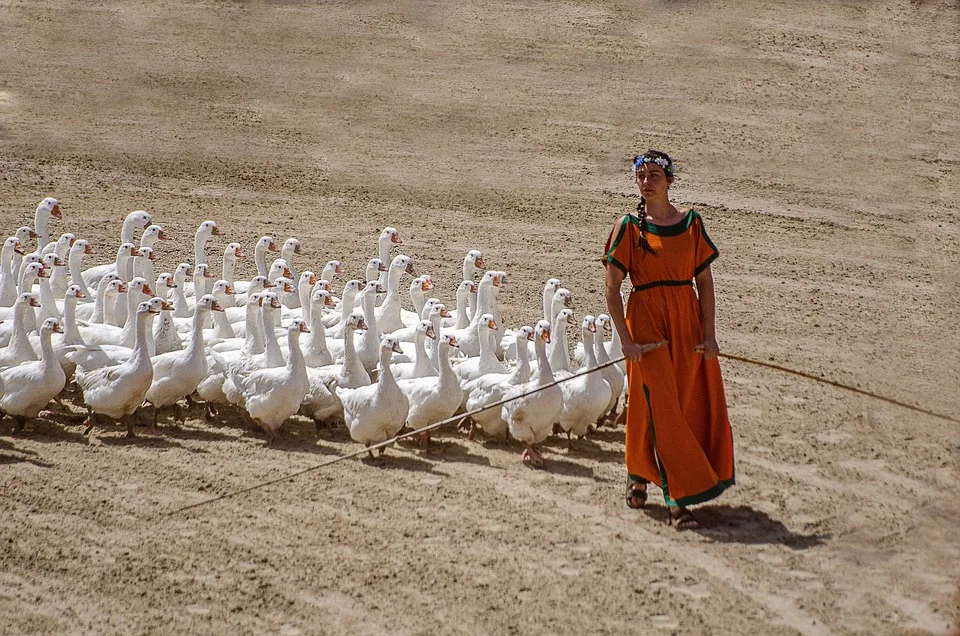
[(678, 433)]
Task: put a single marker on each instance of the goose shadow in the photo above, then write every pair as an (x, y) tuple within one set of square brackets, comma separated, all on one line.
[(153, 440), (742, 524), (556, 464), (47, 430), (24, 455), (397, 461), (444, 449), (585, 448)]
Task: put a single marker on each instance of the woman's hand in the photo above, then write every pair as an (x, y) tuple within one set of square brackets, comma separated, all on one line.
[(632, 350), (710, 348)]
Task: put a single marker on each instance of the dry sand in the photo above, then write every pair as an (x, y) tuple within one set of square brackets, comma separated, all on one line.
[(821, 141)]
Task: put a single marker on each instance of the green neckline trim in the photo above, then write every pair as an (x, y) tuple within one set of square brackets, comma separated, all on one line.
[(676, 229)]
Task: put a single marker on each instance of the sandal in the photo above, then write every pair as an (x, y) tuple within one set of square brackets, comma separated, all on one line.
[(636, 496), (684, 518)]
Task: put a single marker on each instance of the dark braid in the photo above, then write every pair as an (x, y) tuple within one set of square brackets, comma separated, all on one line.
[(642, 214)]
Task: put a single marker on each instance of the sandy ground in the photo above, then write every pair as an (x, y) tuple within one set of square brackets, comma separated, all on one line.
[(821, 141)]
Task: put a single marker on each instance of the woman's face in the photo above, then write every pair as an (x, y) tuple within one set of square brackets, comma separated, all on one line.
[(652, 181)]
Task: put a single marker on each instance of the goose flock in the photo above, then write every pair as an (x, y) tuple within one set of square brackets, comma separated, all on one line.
[(118, 336)]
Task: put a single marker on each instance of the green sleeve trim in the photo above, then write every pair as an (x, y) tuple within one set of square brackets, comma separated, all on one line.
[(705, 264), (716, 253), (612, 261)]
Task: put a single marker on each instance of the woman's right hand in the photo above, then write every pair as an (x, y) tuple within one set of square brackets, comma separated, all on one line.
[(632, 350)]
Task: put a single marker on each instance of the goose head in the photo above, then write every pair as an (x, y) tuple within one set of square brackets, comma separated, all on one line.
[(589, 324), (321, 297), (222, 288), (488, 321), (500, 279), (50, 261), (603, 322), (390, 236), (284, 285), (26, 233), (443, 310), (331, 269), (266, 244), (352, 287), (475, 257), (51, 325), (258, 283), (180, 274), (232, 252), (165, 282), (278, 268), (525, 332), (426, 328), (13, 246), (290, 247), (269, 300), (374, 267), (127, 250), (74, 291), (113, 288), (562, 298), (427, 283), (139, 285), (139, 218), (202, 271), (298, 326), (542, 331), (308, 278), (47, 208), (33, 271), (151, 307), (208, 303), (449, 341), (565, 316), (324, 284), (466, 287), (82, 246), (553, 284), (356, 321), (388, 346), (28, 299), (208, 229), (64, 243), (152, 234), (403, 263), (147, 253), (373, 287)]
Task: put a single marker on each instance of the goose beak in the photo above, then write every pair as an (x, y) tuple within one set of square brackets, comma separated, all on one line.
[(134, 252), (122, 288), (147, 290), (72, 241), (216, 231), (592, 327), (167, 305), (43, 273), (339, 269), (497, 282), (154, 257), (273, 247), (304, 328), (268, 285), (88, 250), (427, 286), (382, 268), (260, 301), (312, 280), (33, 234), (171, 284), (327, 301), (568, 302), (19, 249), (34, 302), (396, 240), (396, 347), (287, 287), (287, 273), (362, 324), (57, 328), (492, 324), (452, 341), (55, 212), (79, 294), (546, 336), (328, 288), (208, 274), (297, 250), (230, 291), (153, 310), (531, 337), (59, 262), (430, 333), (275, 303), (162, 235), (570, 320), (410, 270), (480, 263), (216, 306), (239, 253), (445, 313), (381, 290)]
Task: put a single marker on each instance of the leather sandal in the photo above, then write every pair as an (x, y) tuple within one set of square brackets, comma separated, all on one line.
[(636, 495)]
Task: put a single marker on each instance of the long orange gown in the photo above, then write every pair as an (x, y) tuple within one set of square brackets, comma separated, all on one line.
[(678, 432)]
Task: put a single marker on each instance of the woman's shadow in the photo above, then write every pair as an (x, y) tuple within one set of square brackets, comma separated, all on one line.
[(743, 524)]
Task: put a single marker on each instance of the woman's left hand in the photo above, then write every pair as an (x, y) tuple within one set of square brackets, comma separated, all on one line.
[(710, 348)]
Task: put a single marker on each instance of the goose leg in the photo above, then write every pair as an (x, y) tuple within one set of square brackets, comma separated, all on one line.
[(532, 457), (19, 421), (569, 442), (129, 419), (178, 414), (210, 414), (90, 421)]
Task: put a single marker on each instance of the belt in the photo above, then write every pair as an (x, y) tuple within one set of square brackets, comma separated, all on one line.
[(663, 283)]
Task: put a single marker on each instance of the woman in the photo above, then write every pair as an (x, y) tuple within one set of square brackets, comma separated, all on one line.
[(678, 434)]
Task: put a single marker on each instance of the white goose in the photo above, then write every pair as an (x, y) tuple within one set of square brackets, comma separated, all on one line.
[(315, 352), (418, 288), (587, 395), (321, 402), (101, 334), (472, 262), (18, 349), (490, 388), (421, 367), (291, 247), (253, 287), (224, 354), (8, 281), (118, 391), (272, 395), (181, 308), (264, 245), (79, 249), (95, 356), (612, 374), (165, 335), (29, 386), (178, 373), (222, 328), (101, 312), (134, 220), (331, 270), (271, 357), (466, 296), (348, 302), (368, 344), (48, 304), (30, 274), (555, 298), (377, 412), (433, 399), (47, 209), (152, 234), (143, 263), (468, 337), (486, 362), (530, 418), (559, 354), (232, 253), (389, 238), (388, 313), (24, 235), (60, 279)]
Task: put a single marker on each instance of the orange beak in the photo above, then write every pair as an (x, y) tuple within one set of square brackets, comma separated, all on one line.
[(80, 294), (239, 253), (162, 235), (216, 306), (57, 327), (55, 212), (88, 250), (147, 290), (166, 305), (395, 239), (230, 291)]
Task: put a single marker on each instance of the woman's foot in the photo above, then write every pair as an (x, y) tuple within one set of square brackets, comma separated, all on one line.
[(636, 494), (684, 518)]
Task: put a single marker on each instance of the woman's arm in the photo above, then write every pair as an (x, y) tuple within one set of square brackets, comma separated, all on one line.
[(708, 313), (612, 281)]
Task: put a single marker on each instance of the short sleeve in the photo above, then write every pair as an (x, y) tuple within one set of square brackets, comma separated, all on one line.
[(619, 247), (707, 252)]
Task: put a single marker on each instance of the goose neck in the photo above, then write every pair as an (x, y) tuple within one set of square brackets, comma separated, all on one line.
[(546, 373)]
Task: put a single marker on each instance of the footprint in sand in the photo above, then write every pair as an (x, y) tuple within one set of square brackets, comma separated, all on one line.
[(664, 622)]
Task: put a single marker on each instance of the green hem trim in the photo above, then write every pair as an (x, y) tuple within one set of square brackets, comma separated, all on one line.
[(676, 229), (706, 495), (612, 261), (705, 264)]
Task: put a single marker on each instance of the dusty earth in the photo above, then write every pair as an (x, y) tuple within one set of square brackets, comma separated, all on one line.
[(821, 141)]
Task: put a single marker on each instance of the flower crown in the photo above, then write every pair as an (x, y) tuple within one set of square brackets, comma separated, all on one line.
[(659, 161)]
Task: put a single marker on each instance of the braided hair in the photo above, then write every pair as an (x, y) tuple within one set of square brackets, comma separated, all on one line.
[(663, 160)]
